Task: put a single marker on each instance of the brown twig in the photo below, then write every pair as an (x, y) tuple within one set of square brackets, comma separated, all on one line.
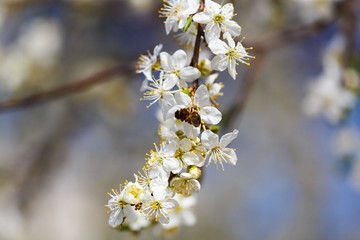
[(291, 35), (68, 89), (195, 57)]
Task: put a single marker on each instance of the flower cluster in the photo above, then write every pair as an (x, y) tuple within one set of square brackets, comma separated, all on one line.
[(164, 191), (335, 96)]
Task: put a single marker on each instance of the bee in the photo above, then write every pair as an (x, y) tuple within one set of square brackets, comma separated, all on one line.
[(189, 115)]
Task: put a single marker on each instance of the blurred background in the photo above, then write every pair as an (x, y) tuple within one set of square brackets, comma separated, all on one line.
[(298, 174)]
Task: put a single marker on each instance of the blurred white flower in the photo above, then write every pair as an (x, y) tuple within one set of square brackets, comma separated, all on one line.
[(42, 40)]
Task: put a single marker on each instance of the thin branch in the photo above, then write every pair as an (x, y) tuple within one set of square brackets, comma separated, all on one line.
[(68, 89), (292, 35), (237, 108), (195, 57)]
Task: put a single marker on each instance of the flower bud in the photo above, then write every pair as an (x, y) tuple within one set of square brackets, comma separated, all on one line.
[(194, 171), (133, 193)]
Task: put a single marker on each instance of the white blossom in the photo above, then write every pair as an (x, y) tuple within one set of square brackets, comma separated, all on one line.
[(147, 63), (119, 209), (217, 20), (185, 184), (162, 161), (228, 55), (158, 87), (177, 13), (176, 69), (217, 150), (133, 193), (184, 214), (187, 38), (158, 208)]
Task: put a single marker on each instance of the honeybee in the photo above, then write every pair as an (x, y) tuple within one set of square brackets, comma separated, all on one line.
[(189, 115)]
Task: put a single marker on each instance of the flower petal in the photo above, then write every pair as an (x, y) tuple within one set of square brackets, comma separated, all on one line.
[(227, 10), (218, 47), (211, 79), (165, 61), (210, 115), (209, 139), (232, 68), (116, 218), (191, 159), (228, 138), (230, 156), (182, 99), (189, 74), (201, 97), (219, 63), (202, 17), (170, 81), (129, 212), (172, 165), (178, 59), (212, 32), (231, 27)]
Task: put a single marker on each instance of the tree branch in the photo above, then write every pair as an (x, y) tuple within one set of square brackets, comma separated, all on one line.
[(68, 89)]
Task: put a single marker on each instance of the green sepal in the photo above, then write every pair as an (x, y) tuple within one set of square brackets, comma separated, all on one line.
[(186, 91), (188, 23), (215, 129)]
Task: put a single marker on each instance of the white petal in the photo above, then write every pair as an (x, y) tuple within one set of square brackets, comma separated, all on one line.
[(228, 138), (182, 83), (219, 63), (129, 212), (170, 204), (209, 139), (190, 131), (170, 24), (232, 68), (215, 89), (144, 85), (212, 32), (169, 149), (116, 218), (157, 50), (218, 47), (231, 27), (178, 59), (191, 159), (230, 155), (201, 97), (186, 144), (202, 17), (170, 81), (163, 218), (210, 115), (189, 74), (182, 99), (227, 10), (211, 79), (209, 4), (172, 165), (165, 60)]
